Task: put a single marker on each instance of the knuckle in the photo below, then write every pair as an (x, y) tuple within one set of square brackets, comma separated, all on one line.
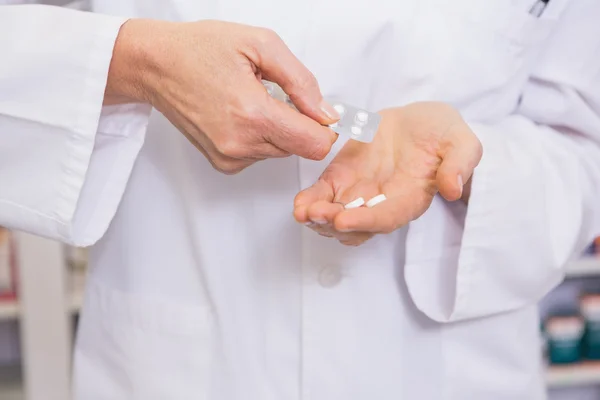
[(473, 150), (253, 112), (319, 152), (306, 81), (230, 148), (266, 37), (249, 110)]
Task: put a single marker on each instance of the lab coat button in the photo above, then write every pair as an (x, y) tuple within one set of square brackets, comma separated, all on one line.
[(330, 276)]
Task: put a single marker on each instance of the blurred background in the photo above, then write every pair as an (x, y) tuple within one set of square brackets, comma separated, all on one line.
[(42, 285), (41, 292)]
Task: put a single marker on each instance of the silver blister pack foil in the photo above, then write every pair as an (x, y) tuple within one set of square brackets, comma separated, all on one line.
[(355, 123)]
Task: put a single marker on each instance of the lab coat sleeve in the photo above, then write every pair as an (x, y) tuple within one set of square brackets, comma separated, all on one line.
[(535, 200), (64, 159)]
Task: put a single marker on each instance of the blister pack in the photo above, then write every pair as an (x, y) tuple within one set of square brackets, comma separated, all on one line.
[(355, 123)]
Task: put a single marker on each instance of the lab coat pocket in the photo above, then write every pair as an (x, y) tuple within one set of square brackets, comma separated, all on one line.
[(135, 347), (511, 21), (492, 48)]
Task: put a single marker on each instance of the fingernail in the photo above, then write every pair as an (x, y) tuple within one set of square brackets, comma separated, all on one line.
[(329, 111), (309, 223), (319, 221), (460, 183)]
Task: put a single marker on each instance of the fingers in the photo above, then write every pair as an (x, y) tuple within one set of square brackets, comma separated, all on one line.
[(321, 217), (459, 159), (379, 219), (278, 64), (266, 150), (384, 217), (219, 161), (356, 238), (297, 134), (314, 207), (267, 128), (363, 189), (319, 205), (323, 212), (347, 239), (320, 191), (287, 130)]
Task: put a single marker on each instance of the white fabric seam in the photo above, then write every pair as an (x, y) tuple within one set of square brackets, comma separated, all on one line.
[(31, 210), (109, 189), (79, 154), (465, 274)]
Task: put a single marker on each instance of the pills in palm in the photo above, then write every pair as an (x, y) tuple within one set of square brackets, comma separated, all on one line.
[(355, 203), (376, 200)]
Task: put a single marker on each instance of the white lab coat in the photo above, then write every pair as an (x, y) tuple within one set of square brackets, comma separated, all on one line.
[(202, 286)]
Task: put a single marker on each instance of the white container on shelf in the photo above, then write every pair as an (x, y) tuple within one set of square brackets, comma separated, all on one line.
[(587, 266), (5, 273), (8, 270)]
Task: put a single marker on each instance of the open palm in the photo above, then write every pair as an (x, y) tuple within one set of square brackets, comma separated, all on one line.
[(419, 150)]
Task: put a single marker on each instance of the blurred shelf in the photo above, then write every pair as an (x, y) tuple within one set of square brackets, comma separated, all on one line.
[(76, 300), (9, 309), (588, 266), (11, 384), (585, 374)]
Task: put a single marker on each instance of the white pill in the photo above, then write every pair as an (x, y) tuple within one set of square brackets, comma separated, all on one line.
[(362, 117), (376, 200), (356, 130), (340, 109), (355, 203), (334, 125)]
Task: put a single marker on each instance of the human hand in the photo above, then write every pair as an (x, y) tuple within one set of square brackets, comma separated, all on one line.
[(420, 150), (205, 77)]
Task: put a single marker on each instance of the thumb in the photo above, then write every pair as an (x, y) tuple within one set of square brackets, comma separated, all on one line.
[(459, 159), (278, 64), (296, 133)]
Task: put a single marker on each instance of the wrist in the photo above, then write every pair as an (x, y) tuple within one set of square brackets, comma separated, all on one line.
[(127, 82)]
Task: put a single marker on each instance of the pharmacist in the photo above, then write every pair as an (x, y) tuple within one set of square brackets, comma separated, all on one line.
[(225, 263)]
